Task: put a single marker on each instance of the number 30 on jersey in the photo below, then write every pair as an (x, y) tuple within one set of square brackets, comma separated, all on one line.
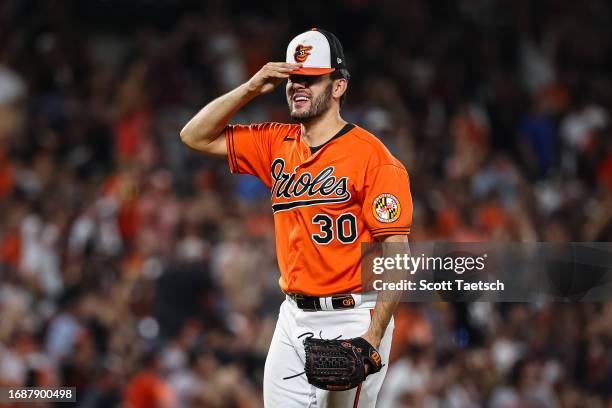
[(343, 228)]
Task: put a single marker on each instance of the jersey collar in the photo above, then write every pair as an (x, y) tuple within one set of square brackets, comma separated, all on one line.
[(347, 128)]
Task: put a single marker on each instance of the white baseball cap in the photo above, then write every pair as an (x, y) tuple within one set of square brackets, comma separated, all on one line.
[(319, 52)]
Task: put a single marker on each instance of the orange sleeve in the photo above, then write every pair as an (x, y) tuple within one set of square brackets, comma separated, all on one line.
[(387, 205), (249, 149)]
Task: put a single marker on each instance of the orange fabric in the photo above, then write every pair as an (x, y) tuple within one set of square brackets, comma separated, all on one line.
[(411, 327), (312, 71), (10, 249), (555, 96), (325, 205), (490, 217), (129, 220), (130, 133), (147, 390), (448, 221), (465, 128)]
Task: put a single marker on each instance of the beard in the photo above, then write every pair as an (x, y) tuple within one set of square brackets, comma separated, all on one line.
[(318, 107)]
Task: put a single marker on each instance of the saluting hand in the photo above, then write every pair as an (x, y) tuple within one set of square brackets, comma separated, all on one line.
[(269, 76)]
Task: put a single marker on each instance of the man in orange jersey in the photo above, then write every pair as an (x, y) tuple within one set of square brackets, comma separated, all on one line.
[(334, 186)]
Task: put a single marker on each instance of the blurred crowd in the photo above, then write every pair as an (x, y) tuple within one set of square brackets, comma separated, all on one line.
[(144, 275)]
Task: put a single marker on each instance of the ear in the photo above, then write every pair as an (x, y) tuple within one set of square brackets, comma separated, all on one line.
[(339, 87)]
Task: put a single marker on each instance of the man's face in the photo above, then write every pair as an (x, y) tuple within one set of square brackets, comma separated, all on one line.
[(308, 96)]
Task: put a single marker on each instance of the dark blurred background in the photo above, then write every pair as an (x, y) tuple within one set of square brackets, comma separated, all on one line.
[(143, 274)]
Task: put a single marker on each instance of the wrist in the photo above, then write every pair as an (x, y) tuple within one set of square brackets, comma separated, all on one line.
[(372, 337), (249, 91)]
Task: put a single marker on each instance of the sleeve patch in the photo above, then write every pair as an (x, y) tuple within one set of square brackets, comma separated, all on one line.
[(386, 208)]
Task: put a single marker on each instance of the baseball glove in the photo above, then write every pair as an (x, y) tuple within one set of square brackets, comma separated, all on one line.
[(339, 365)]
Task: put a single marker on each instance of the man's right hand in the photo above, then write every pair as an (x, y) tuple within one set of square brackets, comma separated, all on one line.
[(269, 76), (205, 131)]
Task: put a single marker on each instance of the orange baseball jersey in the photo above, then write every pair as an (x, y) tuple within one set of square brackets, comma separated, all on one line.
[(326, 200)]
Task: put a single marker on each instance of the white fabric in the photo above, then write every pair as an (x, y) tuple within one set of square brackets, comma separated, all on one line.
[(320, 55), (286, 358)]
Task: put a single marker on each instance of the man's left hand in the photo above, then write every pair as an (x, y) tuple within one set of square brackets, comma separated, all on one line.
[(374, 341)]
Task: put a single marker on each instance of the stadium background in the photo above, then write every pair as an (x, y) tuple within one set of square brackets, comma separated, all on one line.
[(130, 265)]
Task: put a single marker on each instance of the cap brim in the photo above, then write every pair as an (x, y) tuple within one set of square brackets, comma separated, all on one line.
[(312, 71)]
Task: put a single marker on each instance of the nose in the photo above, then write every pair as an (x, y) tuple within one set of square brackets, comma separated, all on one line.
[(296, 86), (298, 82)]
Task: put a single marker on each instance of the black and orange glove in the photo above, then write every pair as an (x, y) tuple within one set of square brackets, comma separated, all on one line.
[(339, 365)]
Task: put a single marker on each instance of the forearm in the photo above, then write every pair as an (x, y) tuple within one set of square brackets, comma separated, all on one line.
[(383, 311), (387, 300), (209, 122), (204, 131)]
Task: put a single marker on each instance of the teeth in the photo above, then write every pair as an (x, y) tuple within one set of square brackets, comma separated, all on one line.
[(301, 98)]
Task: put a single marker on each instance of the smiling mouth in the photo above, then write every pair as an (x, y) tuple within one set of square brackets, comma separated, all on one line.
[(299, 101), (300, 98)]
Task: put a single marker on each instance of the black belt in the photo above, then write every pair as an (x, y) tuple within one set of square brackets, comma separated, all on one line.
[(313, 303)]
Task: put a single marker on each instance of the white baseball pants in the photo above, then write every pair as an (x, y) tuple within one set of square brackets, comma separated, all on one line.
[(286, 358)]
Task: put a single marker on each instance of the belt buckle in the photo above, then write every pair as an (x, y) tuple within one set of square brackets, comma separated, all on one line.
[(343, 302), (300, 301)]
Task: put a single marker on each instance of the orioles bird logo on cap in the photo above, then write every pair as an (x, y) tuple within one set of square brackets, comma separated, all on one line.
[(302, 52)]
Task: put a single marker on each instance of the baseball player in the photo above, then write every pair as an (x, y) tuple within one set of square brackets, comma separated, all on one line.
[(333, 186)]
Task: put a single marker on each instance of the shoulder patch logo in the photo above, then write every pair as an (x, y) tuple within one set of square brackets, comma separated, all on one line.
[(302, 52), (386, 208)]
